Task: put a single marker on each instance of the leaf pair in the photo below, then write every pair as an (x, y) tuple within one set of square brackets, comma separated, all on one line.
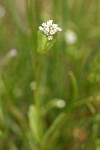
[(43, 43)]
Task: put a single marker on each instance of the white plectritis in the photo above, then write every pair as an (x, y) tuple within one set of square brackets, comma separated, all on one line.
[(49, 29), (70, 37), (61, 103), (2, 11), (13, 52)]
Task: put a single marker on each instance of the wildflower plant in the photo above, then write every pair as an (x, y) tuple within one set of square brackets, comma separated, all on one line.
[(46, 39), (46, 35), (49, 102)]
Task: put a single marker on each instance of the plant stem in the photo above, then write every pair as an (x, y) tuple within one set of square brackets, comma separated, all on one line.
[(37, 95)]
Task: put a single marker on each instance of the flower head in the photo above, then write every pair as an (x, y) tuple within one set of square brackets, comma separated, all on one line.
[(49, 29)]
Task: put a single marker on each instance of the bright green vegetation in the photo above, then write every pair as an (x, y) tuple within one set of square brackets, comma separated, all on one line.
[(50, 101)]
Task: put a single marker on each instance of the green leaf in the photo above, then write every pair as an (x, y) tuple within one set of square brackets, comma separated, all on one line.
[(34, 123), (53, 132), (74, 86), (44, 45), (42, 41)]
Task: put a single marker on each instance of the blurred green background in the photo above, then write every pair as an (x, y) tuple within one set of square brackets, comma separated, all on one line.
[(68, 76)]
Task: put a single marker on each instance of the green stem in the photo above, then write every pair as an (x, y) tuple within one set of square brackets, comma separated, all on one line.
[(37, 95)]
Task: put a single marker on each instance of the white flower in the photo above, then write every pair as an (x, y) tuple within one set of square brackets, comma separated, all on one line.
[(70, 37), (44, 24), (2, 11), (54, 25), (46, 29), (41, 28), (61, 103), (52, 32), (49, 29), (59, 29), (13, 52), (49, 23), (50, 37), (46, 32)]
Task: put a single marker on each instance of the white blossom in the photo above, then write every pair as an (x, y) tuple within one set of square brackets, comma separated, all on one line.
[(49, 23), (50, 37), (13, 52), (59, 29), (49, 29), (44, 24), (41, 28), (54, 25), (70, 37), (61, 103), (52, 32)]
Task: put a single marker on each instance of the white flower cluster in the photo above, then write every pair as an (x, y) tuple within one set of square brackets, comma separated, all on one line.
[(49, 29)]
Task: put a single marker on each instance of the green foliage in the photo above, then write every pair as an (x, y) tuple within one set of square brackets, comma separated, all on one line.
[(49, 90), (35, 124), (43, 44)]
